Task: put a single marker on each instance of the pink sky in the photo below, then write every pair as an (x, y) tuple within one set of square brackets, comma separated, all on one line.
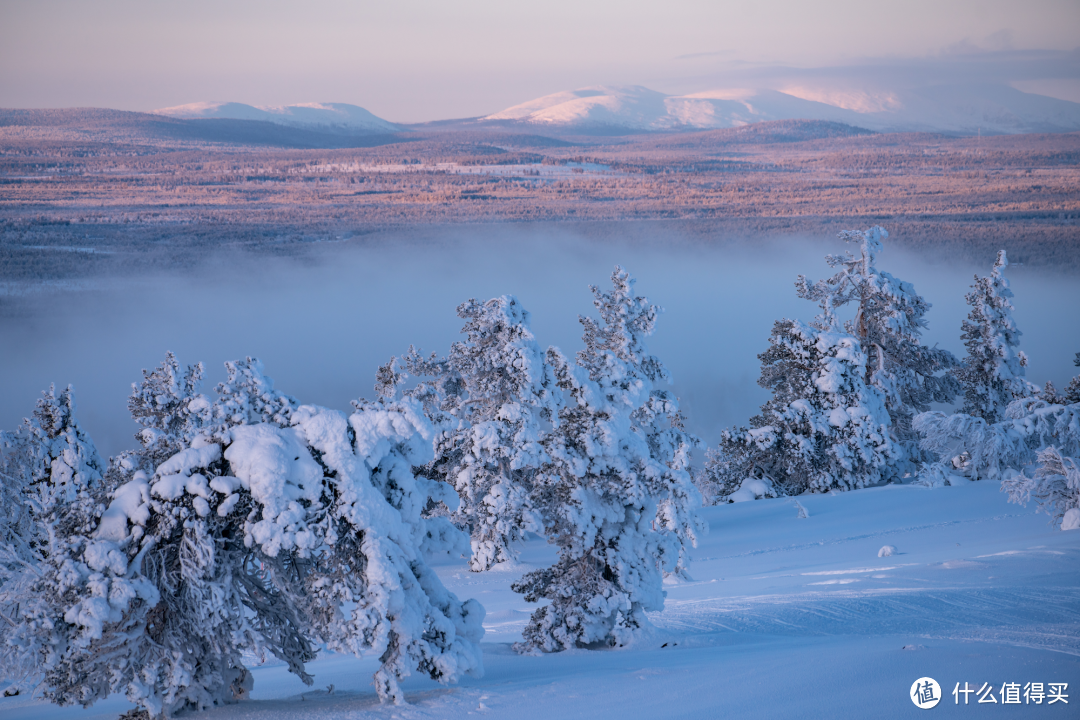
[(416, 60)]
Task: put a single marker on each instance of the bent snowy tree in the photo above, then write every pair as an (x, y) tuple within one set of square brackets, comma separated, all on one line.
[(302, 527)]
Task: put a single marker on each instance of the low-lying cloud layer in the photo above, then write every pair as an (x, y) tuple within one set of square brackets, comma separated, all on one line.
[(323, 325)]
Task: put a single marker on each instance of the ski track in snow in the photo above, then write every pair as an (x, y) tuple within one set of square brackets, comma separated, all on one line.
[(1051, 616), (866, 536)]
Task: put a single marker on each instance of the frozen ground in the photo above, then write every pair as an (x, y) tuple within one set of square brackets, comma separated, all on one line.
[(785, 618)]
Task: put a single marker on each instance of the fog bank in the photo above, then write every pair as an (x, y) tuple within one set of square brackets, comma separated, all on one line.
[(322, 324)]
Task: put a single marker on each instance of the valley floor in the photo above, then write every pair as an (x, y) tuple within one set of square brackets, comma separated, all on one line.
[(785, 618)]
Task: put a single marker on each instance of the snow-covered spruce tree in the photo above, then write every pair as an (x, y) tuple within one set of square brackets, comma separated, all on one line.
[(497, 389), (824, 426), (992, 374), (602, 485), (341, 531), (889, 320), (1071, 395), (136, 589), (1055, 486), (68, 590), (627, 321)]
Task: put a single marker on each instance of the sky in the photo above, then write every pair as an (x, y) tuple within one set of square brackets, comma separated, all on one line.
[(420, 60)]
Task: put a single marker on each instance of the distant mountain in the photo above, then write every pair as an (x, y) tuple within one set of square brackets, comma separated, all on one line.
[(309, 115), (989, 108), (639, 108), (103, 125)]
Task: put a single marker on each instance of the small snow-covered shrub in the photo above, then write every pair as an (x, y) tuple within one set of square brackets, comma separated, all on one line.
[(941, 474), (887, 551), (1054, 485)]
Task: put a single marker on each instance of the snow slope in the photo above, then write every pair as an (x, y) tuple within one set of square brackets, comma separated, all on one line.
[(340, 115), (967, 109), (785, 618)]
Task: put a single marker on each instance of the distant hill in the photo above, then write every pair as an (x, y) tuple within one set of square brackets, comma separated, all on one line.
[(307, 115), (102, 125)]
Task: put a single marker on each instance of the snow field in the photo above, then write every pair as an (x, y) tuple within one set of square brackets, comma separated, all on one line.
[(784, 617)]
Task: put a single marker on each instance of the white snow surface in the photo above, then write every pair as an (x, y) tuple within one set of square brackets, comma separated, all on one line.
[(967, 109), (340, 115), (784, 618)]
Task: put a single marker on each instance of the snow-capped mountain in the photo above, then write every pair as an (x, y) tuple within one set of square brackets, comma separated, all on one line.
[(639, 108), (989, 108), (339, 115)]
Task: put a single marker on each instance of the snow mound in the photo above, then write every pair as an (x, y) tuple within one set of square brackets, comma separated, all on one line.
[(752, 489), (1071, 520), (887, 551)]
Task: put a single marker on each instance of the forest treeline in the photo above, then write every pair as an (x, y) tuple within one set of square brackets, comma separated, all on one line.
[(140, 203)]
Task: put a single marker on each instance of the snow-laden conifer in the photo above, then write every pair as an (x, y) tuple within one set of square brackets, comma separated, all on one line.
[(256, 537), (371, 591), (248, 396), (1054, 485), (494, 390), (889, 320), (66, 616), (608, 471), (168, 405), (823, 428), (1069, 396), (972, 448), (992, 374), (627, 320)]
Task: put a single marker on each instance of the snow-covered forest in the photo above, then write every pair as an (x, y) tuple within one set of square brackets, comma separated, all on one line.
[(247, 529)]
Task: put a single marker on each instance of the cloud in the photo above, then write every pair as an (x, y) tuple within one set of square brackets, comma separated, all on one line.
[(960, 64)]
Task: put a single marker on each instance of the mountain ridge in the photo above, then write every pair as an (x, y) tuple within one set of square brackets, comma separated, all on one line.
[(968, 109), (308, 115)]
